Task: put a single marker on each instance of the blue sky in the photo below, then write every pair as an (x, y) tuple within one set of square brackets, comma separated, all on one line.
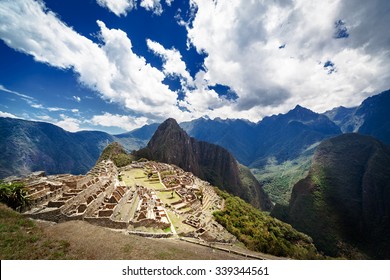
[(115, 65)]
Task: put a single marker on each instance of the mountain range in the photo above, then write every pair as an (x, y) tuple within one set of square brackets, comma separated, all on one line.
[(29, 146), (336, 165)]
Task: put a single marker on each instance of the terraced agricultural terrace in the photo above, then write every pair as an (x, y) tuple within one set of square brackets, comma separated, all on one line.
[(146, 198)]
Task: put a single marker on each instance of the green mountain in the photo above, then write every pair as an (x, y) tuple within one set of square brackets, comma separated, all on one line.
[(115, 152), (171, 144), (343, 204), (260, 232)]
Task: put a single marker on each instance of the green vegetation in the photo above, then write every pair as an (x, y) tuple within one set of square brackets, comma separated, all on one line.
[(117, 154), (13, 195), (21, 238), (138, 177), (279, 179), (262, 233), (169, 197)]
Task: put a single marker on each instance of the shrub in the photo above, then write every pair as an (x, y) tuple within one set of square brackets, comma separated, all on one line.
[(13, 194)]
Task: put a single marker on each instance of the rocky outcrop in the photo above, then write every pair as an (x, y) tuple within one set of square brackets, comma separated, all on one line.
[(210, 162)]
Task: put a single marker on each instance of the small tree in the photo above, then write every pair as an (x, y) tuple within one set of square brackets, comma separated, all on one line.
[(13, 194)]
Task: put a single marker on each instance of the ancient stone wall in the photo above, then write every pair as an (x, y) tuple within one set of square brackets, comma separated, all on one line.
[(106, 222)]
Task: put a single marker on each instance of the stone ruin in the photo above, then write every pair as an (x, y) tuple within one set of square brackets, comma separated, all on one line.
[(100, 198)]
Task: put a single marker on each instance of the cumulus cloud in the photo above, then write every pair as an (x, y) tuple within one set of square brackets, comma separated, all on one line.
[(273, 55), (169, 2), (68, 123), (199, 99), (173, 63), (121, 7), (242, 41), (125, 122), (152, 5), (110, 68), (118, 7), (7, 115)]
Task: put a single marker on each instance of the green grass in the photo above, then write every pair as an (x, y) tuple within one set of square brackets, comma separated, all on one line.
[(260, 232), (178, 222), (279, 179), (21, 238), (166, 197), (137, 176)]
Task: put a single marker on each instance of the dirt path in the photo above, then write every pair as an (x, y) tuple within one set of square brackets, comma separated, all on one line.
[(92, 242)]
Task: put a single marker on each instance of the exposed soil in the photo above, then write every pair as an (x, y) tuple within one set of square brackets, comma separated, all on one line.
[(92, 242)]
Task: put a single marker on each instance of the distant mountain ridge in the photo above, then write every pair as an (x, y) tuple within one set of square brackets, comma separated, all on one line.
[(213, 163), (370, 118), (236, 135), (287, 136), (30, 146)]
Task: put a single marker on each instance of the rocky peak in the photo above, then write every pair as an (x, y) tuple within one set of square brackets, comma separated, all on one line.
[(171, 144), (302, 114)]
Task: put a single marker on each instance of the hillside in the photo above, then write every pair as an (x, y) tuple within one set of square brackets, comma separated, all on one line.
[(25, 239), (30, 146), (260, 232), (115, 152), (344, 201), (210, 162)]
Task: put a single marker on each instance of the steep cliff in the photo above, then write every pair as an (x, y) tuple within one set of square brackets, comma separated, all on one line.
[(344, 202), (172, 145)]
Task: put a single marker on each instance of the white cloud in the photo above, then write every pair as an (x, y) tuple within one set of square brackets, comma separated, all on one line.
[(55, 109), (169, 2), (2, 88), (7, 115), (37, 106), (46, 118), (111, 68), (242, 40), (69, 124), (122, 7), (77, 98), (50, 109), (118, 7), (125, 122), (173, 63), (152, 5)]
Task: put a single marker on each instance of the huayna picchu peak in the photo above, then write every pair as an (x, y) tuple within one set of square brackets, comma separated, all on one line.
[(171, 144)]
